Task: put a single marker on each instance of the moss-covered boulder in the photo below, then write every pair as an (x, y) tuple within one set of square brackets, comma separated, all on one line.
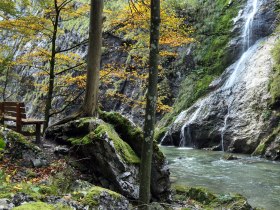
[(16, 146), (102, 151), (133, 135), (110, 149), (104, 199), (42, 206), (270, 146), (198, 196), (37, 205)]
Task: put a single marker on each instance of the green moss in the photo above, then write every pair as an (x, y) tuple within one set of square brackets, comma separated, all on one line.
[(123, 126), (159, 133), (2, 143), (123, 149), (48, 190), (198, 194), (130, 133), (207, 200), (41, 206), (80, 140), (260, 150), (93, 196), (274, 86), (35, 206)]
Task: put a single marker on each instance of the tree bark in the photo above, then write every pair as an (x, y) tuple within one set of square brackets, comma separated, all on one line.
[(147, 147), (52, 67), (90, 105)]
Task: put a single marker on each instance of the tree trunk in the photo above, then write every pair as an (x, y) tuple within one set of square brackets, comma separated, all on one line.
[(147, 147), (90, 105), (52, 66)]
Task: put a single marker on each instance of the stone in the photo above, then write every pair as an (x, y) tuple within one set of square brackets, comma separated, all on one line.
[(230, 157), (100, 198), (37, 163), (21, 198), (112, 154), (63, 150), (80, 185), (18, 147), (5, 204)]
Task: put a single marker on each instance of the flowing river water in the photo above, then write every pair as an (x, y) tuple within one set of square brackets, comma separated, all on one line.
[(257, 179)]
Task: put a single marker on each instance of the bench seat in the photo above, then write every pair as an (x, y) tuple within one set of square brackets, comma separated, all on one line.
[(15, 112), (29, 121)]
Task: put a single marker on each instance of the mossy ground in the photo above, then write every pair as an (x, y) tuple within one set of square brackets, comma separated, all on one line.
[(41, 206), (2, 143)]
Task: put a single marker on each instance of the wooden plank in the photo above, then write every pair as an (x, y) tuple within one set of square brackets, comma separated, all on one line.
[(1, 113), (25, 133), (10, 103), (15, 114), (38, 133), (13, 109), (18, 118), (9, 118), (32, 121)]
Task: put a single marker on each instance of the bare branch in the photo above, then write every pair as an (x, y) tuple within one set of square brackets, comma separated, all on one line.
[(68, 69), (73, 47)]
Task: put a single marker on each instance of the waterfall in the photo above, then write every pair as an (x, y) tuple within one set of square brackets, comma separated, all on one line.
[(251, 8), (252, 5), (187, 140), (226, 116)]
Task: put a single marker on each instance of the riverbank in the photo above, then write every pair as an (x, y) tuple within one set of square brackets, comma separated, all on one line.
[(255, 178)]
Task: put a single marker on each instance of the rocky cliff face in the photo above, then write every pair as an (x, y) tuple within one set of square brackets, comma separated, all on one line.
[(238, 114), (235, 115)]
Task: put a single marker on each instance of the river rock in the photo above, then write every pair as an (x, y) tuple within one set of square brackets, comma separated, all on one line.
[(111, 152)]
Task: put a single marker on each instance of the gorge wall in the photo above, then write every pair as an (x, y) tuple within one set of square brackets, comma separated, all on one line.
[(235, 116)]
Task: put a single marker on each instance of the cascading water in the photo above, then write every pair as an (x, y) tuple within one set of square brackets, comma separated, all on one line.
[(227, 116), (251, 8), (186, 140)]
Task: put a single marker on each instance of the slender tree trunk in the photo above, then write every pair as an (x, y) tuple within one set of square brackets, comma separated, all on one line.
[(90, 105), (52, 67), (147, 147), (5, 84)]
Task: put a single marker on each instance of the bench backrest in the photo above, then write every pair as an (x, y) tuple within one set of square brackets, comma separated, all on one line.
[(13, 109)]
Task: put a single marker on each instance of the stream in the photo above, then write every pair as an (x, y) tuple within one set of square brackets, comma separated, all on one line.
[(255, 178)]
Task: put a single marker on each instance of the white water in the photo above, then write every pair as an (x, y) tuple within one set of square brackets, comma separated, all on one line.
[(247, 31), (233, 83), (256, 179), (187, 140), (252, 8)]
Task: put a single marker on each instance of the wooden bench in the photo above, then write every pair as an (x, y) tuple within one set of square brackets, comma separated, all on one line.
[(15, 112)]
